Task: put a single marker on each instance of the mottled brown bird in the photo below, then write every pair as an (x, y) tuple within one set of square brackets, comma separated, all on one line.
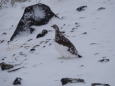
[(64, 45)]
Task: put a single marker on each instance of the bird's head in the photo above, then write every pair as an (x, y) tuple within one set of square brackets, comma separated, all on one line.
[(55, 27)]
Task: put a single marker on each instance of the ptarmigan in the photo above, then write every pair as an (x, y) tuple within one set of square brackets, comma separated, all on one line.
[(63, 45)]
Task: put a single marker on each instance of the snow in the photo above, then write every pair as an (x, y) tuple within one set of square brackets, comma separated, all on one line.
[(42, 66), (39, 13)]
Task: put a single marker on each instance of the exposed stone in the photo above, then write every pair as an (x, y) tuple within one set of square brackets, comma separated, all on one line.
[(99, 84), (71, 80), (104, 60), (101, 8), (44, 32), (5, 66), (17, 81), (81, 8)]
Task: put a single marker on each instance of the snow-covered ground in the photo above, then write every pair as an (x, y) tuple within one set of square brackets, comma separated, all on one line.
[(93, 36)]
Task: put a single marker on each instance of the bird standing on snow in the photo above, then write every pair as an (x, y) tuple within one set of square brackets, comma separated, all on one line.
[(63, 45)]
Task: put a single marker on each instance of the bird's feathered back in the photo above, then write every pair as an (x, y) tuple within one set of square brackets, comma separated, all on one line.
[(62, 40)]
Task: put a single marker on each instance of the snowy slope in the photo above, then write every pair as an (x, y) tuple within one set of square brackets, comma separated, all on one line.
[(93, 36)]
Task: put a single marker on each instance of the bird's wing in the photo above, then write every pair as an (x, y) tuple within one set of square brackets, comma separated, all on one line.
[(66, 42)]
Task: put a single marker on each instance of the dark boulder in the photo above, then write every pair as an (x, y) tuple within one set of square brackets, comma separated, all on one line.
[(43, 33), (81, 8), (104, 60), (1, 41), (17, 81), (32, 30), (5, 66), (65, 81), (99, 84), (101, 8), (71, 80), (38, 14)]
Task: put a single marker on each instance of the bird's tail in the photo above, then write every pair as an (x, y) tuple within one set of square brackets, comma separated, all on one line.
[(79, 56)]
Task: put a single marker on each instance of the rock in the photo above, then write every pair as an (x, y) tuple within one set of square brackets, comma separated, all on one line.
[(42, 42), (5, 66), (3, 59), (93, 43), (14, 70), (76, 23), (99, 84), (17, 81), (4, 33), (36, 46), (96, 54), (101, 8), (81, 65), (65, 81), (22, 54), (38, 14), (104, 60), (44, 32), (29, 40), (71, 80), (32, 49), (50, 44), (32, 30), (84, 33), (46, 42), (81, 8), (44, 46), (1, 41)]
